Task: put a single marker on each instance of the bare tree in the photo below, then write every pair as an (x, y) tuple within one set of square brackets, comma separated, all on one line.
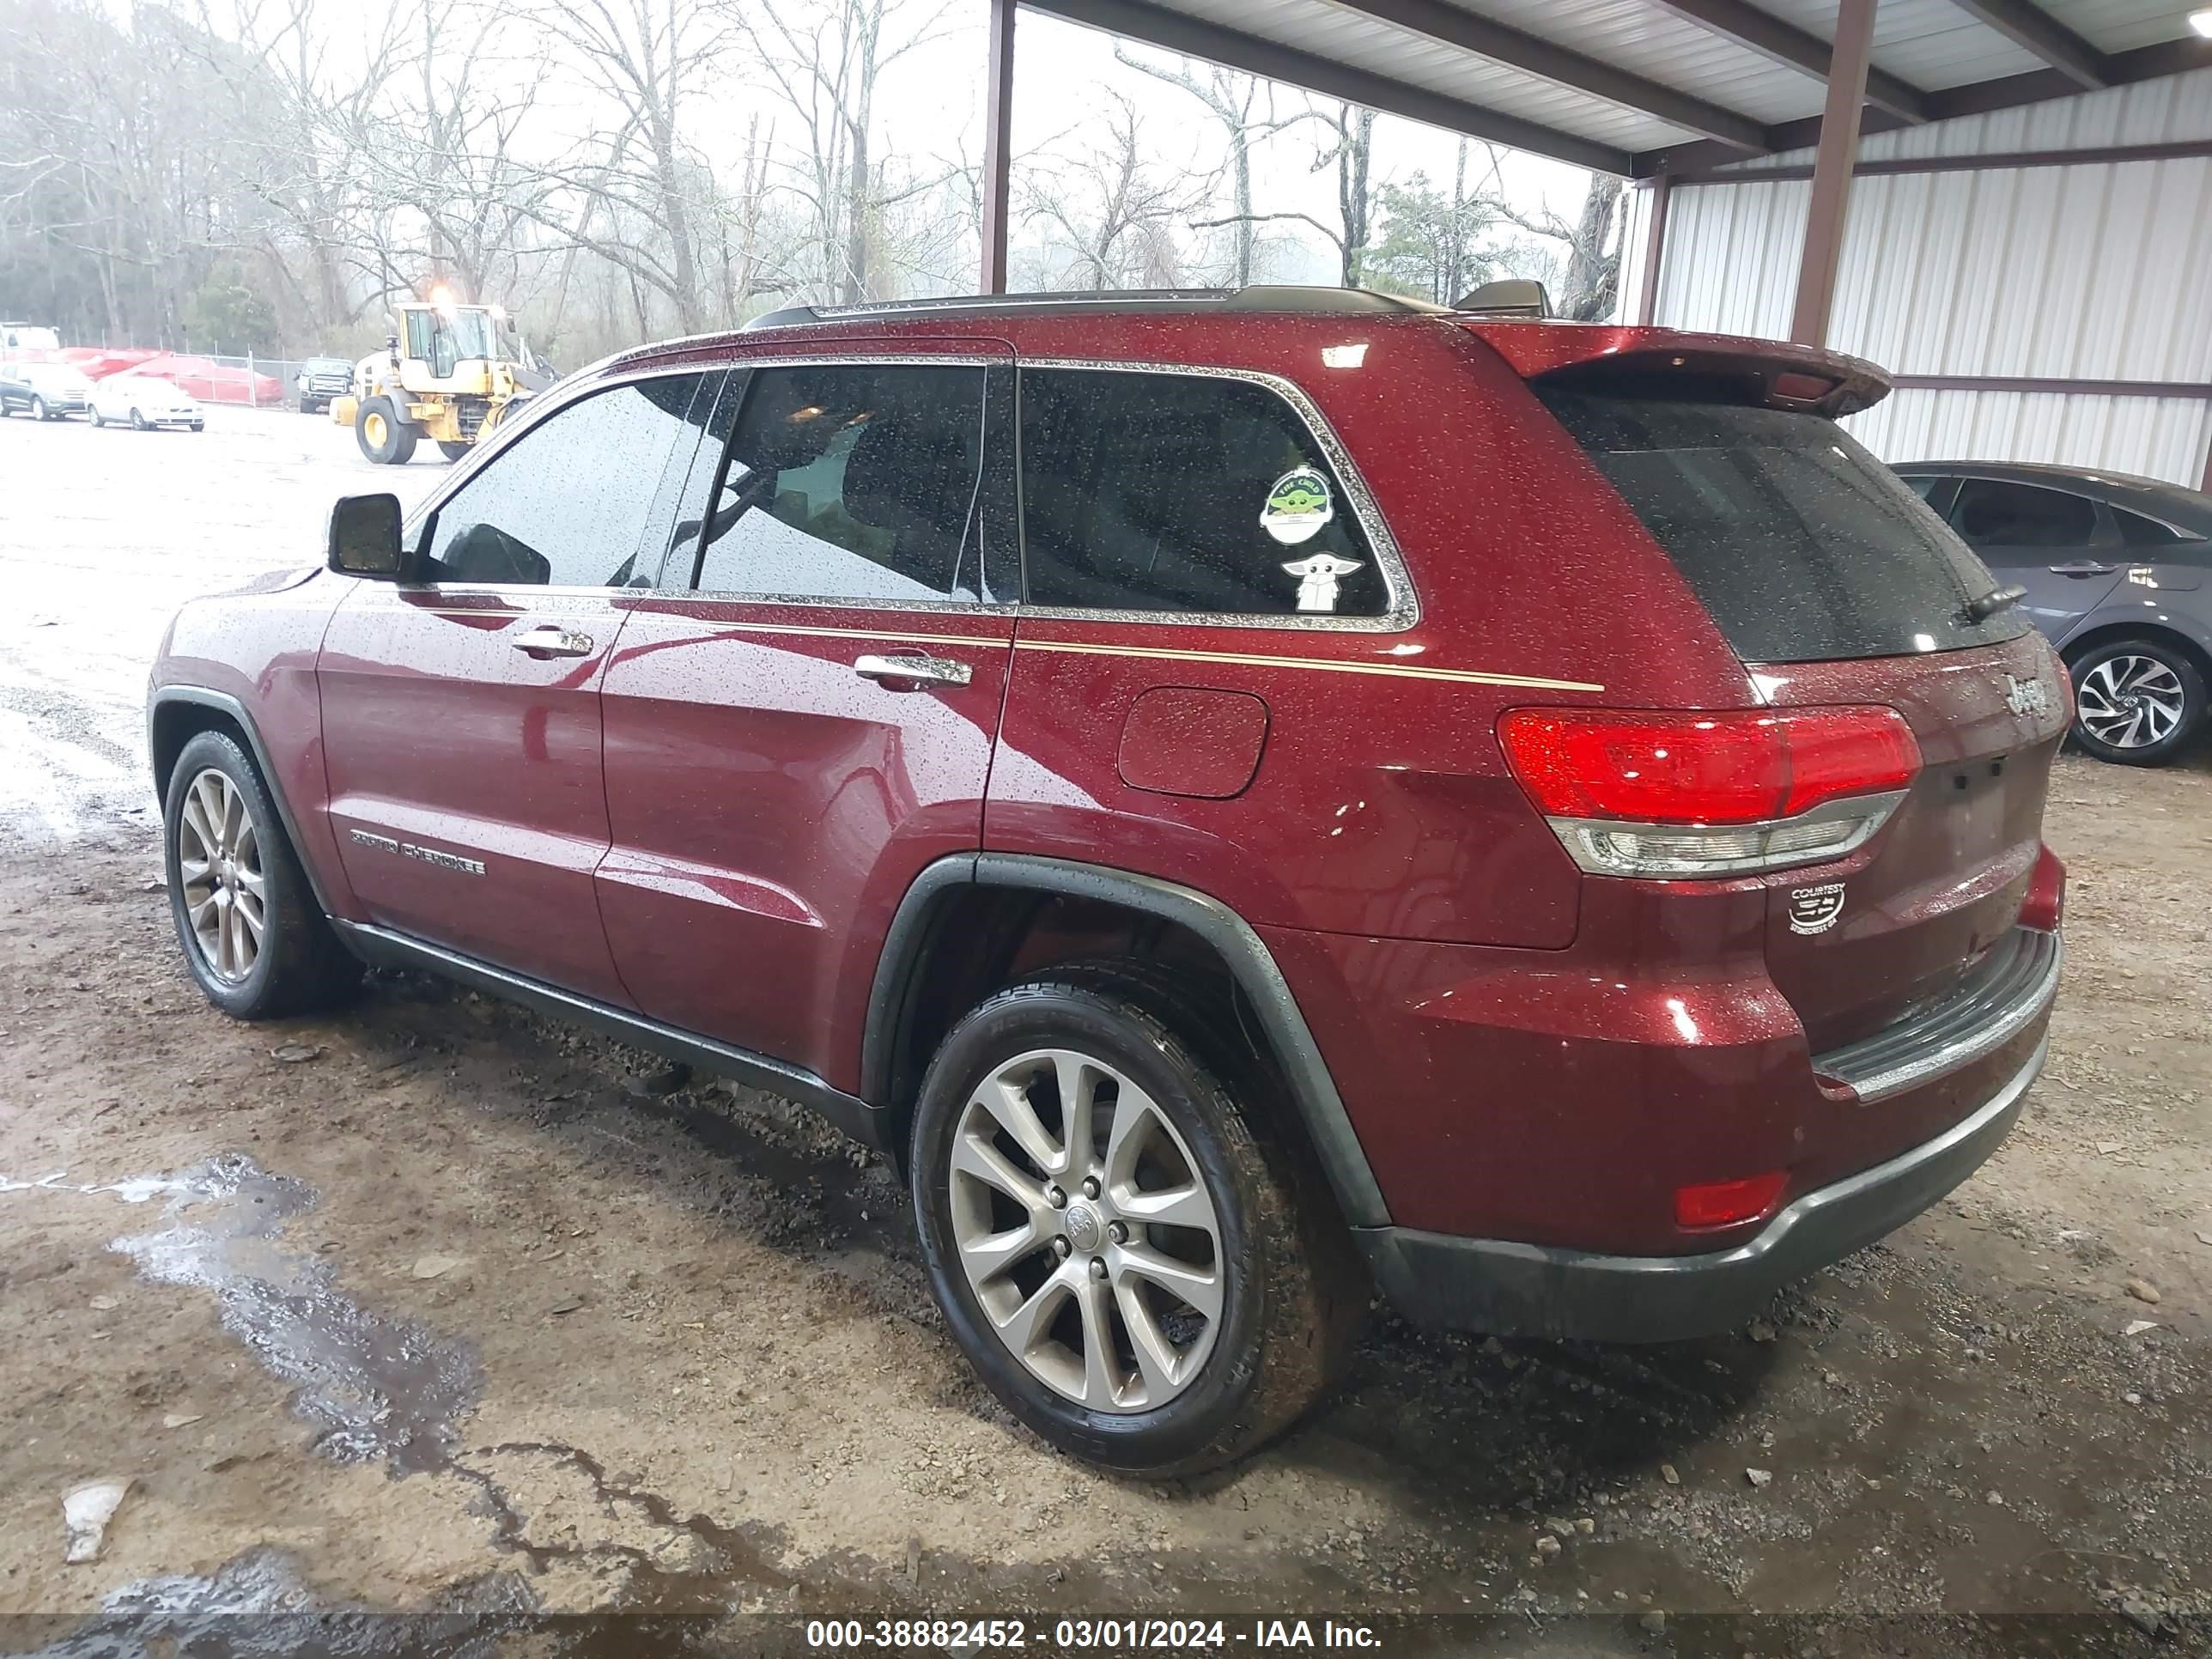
[(1244, 104), (824, 60), (1590, 258), (1111, 209), (646, 59)]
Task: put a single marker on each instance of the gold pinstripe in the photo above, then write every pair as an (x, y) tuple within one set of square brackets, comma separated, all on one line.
[(1088, 648), (1319, 665)]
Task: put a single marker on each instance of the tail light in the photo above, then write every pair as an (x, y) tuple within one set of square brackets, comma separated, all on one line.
[(1637, 793)]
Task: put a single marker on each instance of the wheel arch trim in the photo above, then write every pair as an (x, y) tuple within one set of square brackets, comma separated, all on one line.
[(169, 696), (1313, 1090)]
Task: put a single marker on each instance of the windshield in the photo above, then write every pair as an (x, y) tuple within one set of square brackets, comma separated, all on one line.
[(1802, 546), (445, 339)]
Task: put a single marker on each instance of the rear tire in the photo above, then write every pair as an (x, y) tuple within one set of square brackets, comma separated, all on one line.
[(253, 936), (1257, 1237), (384, 438), (454, 451), (2137, 702)]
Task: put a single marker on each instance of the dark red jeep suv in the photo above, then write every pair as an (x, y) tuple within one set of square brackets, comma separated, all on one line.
[(1246, 796)]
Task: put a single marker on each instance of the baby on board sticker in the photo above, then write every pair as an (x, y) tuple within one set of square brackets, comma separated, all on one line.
[(1298, 507)]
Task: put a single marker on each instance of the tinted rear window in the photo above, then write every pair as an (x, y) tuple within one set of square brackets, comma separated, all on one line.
[(1802, 546)]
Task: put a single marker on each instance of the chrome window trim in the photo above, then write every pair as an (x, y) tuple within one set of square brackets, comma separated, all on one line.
[(1403, 611)]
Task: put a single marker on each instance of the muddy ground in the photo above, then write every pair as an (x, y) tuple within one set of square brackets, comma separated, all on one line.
[(418, 1310)]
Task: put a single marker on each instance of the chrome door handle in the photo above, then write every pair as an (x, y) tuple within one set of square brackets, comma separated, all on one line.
[(914, 670), (551, 641), (2081, 567)]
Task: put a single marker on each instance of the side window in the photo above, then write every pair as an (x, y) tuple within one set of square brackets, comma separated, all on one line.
[(851, 481), (2136, 531), (1925, 485), (1166, 491), (1990, 514), (569, 504)]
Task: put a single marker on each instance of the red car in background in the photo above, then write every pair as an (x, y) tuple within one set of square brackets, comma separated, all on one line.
[(214, 383), (1244, 796), (98, 362)]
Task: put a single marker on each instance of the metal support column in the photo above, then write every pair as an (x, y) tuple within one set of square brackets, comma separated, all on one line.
[(998, 145), (1655, 250), (1832, 173)]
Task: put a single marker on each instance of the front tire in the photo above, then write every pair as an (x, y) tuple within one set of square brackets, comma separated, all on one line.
[(98, 419), (384, 438), (453, 451), (1140, 1270), (253, 937), (2137, 702), (138, 423), (39, 409)]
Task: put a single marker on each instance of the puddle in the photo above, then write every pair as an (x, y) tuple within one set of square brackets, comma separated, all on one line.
[(380, 1387), (259, 1606)]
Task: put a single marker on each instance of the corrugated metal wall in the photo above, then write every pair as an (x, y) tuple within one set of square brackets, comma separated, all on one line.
[(2099, 272)]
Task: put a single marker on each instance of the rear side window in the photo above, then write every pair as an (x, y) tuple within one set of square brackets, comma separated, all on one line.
[(1168, 492), (2136, 531), (1802, 545), (1992, 513), (852, 481), (568, 503)]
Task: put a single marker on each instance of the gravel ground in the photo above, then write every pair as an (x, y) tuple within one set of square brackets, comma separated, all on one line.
[(418, 1309)]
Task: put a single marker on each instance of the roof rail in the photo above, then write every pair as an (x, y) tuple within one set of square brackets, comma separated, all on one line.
[(1255, 298)]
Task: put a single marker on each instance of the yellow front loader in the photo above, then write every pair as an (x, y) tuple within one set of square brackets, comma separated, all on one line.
[(448, 373)]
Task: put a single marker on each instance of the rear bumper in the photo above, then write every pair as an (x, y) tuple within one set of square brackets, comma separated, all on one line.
[(1531, 1290)]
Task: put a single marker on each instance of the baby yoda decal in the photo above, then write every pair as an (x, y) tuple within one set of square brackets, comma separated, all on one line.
[(1318, 574), (1299, 505)]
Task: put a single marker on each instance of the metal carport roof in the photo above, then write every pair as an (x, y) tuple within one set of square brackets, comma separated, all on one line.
[(1639, 87)]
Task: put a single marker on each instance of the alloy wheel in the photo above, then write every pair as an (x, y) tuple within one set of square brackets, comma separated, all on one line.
[(219, 869), (1085, 1228), (2129, 702)]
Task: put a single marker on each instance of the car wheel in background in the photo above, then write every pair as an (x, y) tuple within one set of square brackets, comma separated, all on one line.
[(453, 451), (98, 419), (2137, 702), (137, 420), (199, 426), (1137, 1265), (39, 410), (252, 934), (382, 436)]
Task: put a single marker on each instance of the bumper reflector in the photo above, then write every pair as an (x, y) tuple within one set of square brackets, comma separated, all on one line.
[(1727, 1203)]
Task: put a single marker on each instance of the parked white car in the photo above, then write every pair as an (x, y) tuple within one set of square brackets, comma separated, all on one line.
[(144, 402)]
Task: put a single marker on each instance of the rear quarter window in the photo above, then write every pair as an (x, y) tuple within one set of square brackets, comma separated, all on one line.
[(1802, 545)]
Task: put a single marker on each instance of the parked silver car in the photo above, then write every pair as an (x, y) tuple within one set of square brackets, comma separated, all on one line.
[(50, 391), (2117, 574)]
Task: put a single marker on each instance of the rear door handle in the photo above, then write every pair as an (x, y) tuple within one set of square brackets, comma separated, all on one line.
[(2082, 568), (915, 670), (550, 640)]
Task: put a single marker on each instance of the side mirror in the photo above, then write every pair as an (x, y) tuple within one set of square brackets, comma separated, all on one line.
[(364, 537)]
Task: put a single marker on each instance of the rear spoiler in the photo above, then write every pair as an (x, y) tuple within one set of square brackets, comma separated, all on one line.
[(1722, 367)]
